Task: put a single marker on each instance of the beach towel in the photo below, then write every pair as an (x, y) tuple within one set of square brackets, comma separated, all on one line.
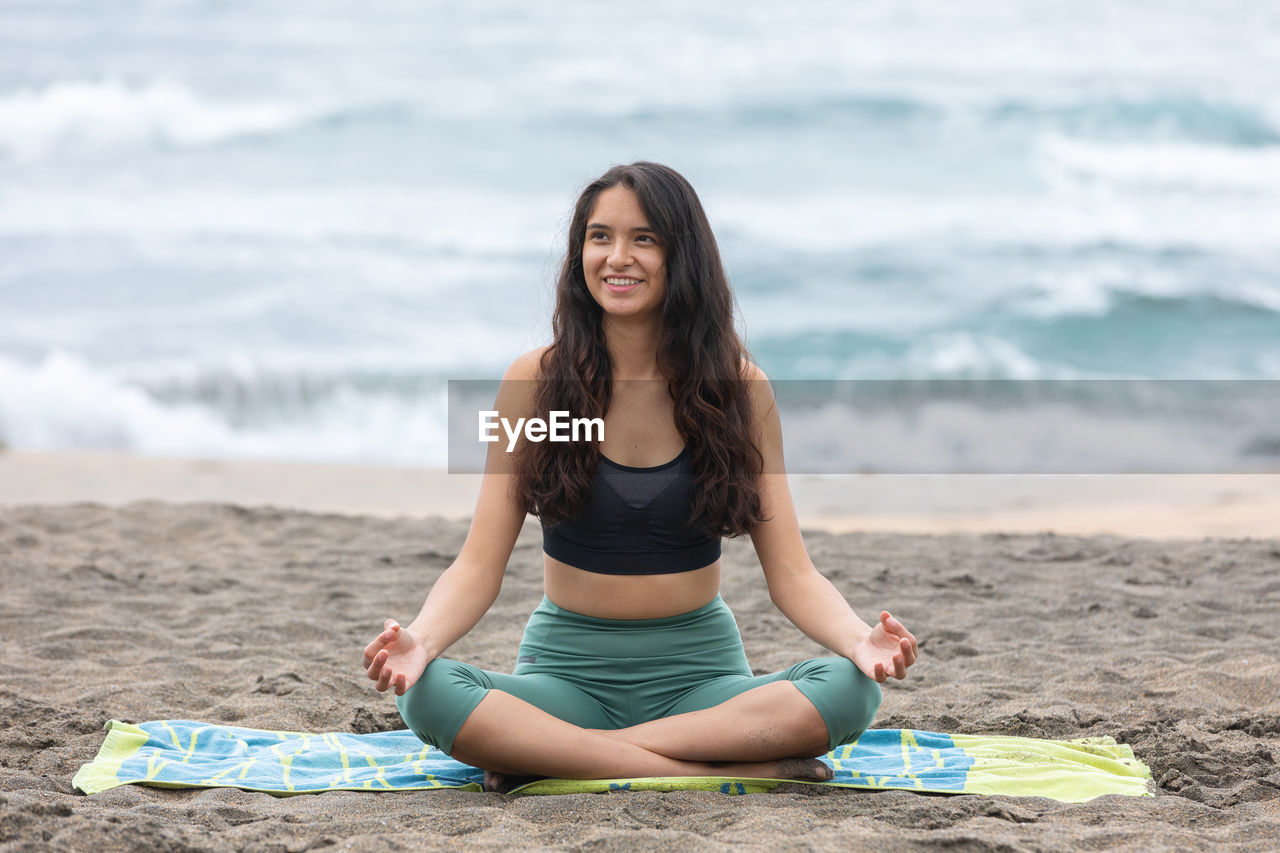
[(189, 754)]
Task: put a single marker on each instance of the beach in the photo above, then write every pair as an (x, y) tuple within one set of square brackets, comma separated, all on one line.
[(253, 257), (222, 599)]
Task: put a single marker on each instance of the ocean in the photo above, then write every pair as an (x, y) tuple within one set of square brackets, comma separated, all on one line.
[(276, 230)]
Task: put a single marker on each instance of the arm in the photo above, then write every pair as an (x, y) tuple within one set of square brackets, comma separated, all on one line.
[(796, 587), (466, 590)]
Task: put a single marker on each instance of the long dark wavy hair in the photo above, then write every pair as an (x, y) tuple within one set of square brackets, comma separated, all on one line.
[(699, 353)]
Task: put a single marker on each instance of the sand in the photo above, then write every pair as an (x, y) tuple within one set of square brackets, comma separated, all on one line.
[(1152, 506), (257, 616)]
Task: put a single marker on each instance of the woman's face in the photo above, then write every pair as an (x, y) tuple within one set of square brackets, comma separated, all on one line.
[(624, 265)]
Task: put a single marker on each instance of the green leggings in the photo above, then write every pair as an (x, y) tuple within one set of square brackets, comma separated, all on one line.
[(615, 673)]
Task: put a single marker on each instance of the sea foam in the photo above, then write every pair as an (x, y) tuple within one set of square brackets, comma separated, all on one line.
[(107, 115)]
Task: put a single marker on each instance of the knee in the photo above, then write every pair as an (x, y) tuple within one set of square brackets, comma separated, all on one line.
[(846, 699), (440, 701)]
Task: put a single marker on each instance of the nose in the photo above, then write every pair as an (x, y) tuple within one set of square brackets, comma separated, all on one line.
[(620, 255)]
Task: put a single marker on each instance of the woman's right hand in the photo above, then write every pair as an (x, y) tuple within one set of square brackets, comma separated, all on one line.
[(395, 658)]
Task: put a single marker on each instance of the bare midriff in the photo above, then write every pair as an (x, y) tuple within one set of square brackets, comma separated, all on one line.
[(628, 596), (640, 431)]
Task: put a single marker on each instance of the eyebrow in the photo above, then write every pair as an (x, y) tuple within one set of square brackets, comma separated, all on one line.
[(602, 227)]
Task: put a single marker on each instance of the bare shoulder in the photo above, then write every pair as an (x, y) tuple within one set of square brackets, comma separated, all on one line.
[(752, 371), (761, 392), (527, 366), (519, 385)]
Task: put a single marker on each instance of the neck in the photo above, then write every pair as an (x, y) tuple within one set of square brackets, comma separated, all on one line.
[(633, 348)]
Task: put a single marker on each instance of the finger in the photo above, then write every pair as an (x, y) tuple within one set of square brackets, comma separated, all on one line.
[(384, 679), (879, 673), (375, 667), (379, 642), (908, 651), (401, 682), (892, 624), (900, 630), (899, 667), (904, 633), (371, 650)]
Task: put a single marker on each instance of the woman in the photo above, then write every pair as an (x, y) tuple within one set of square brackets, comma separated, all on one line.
[(632, 665)]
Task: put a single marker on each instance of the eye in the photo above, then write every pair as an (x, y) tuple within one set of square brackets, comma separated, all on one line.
[(597, 235), (646, 238)]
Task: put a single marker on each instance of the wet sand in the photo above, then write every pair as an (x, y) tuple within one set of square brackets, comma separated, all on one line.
[(1150, 506)]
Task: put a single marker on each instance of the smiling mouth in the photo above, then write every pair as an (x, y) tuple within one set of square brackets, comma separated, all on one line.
[(619, 283)]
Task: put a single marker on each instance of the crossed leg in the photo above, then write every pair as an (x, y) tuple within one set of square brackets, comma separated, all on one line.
[(751, 736), (765, 723), (765, 726)]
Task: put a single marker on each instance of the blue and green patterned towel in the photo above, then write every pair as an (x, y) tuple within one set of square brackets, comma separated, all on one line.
[(188, 754)]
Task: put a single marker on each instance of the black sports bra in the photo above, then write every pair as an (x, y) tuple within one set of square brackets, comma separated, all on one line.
[(636, 522)]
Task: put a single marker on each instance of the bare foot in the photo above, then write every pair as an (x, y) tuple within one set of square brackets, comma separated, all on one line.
[(806, 769), (802, 769), (501, 783)]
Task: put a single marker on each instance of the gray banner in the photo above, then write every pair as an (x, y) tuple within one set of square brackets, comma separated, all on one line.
[(968, 426)]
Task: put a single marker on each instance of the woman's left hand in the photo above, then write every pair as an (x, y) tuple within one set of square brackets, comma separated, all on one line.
[(887, 651)]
